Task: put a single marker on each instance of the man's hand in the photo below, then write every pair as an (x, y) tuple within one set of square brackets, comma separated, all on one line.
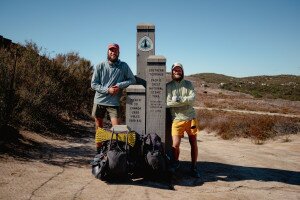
[(176, 98), (113, 90)]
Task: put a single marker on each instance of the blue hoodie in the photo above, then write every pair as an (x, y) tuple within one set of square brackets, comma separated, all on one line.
[(105, 76)]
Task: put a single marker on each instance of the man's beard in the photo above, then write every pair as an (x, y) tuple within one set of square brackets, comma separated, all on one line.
[(113, 60), (177, 78)]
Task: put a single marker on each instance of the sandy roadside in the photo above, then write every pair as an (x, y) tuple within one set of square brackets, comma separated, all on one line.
[(236, 169)]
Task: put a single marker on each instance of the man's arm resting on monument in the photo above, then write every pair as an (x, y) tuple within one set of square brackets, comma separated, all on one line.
[(130, 79), (126, 83)]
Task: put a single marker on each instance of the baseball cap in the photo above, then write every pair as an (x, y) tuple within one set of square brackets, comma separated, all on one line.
[(177, 65), (113, 46)]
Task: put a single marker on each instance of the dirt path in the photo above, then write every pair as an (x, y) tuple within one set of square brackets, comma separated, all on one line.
[(230, 170)]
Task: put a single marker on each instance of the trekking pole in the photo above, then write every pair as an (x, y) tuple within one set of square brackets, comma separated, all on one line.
[(143, 143), (112, 134), (126, 141)]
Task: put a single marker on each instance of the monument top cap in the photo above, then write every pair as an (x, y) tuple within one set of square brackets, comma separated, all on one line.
[(136, 89), (120, 128), (156, 58), (144, 26)]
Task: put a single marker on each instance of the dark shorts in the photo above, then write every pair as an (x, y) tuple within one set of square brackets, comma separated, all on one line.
[(99, 111)]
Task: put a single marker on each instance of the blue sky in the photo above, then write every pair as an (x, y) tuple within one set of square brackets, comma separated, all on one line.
[(232, 37)]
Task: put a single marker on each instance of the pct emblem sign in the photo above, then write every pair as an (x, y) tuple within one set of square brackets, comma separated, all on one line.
[(145, 44)]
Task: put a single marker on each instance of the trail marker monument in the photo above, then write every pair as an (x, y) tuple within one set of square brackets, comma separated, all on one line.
[(146, 102)]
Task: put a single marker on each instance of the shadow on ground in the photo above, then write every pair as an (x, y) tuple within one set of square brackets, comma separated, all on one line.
[(213, 171), (76, 150)]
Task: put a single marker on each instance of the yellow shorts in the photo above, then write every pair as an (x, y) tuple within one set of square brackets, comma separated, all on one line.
[(179, 127)]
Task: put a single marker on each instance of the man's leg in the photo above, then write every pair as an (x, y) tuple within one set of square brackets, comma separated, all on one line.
[(98, 113), (175, 147), (98, 123), (114, 114), (114, 121), (194, 149), (177, 134), (194, 155)]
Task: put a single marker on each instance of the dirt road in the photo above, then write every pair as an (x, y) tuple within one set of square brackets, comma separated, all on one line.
[(249, 112), (59, 169)]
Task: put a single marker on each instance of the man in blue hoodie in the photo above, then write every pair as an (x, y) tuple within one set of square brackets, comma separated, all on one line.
[(109, 78)]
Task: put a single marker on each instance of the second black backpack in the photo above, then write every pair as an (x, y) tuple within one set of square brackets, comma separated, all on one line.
[(154, 153)]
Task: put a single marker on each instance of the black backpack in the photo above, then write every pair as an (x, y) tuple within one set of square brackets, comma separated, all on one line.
[(99, 166), (111, 163), (154, 154)]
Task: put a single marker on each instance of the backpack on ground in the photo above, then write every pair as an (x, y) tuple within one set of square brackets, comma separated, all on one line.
[(154, 154), (112, 162), (99, 166)]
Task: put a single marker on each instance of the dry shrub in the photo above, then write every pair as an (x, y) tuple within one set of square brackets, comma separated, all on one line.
[(286, 128), (44, 90), (205, 118), (230, 100), (209, 104), (257, 127), (261, 128)]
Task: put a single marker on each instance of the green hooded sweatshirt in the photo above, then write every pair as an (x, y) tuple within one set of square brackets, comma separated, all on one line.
[(182, 109)]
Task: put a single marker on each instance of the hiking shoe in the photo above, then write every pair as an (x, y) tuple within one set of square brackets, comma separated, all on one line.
[(174, 166), (195, 173)]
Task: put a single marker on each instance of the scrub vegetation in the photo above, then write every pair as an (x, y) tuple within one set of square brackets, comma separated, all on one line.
[(38, 92), (42, 93)]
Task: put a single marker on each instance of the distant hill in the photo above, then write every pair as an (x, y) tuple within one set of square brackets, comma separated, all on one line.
[(280, 86)]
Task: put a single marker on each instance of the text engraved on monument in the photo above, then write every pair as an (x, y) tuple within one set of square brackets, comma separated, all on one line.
[(136, 110), (156, 93)]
